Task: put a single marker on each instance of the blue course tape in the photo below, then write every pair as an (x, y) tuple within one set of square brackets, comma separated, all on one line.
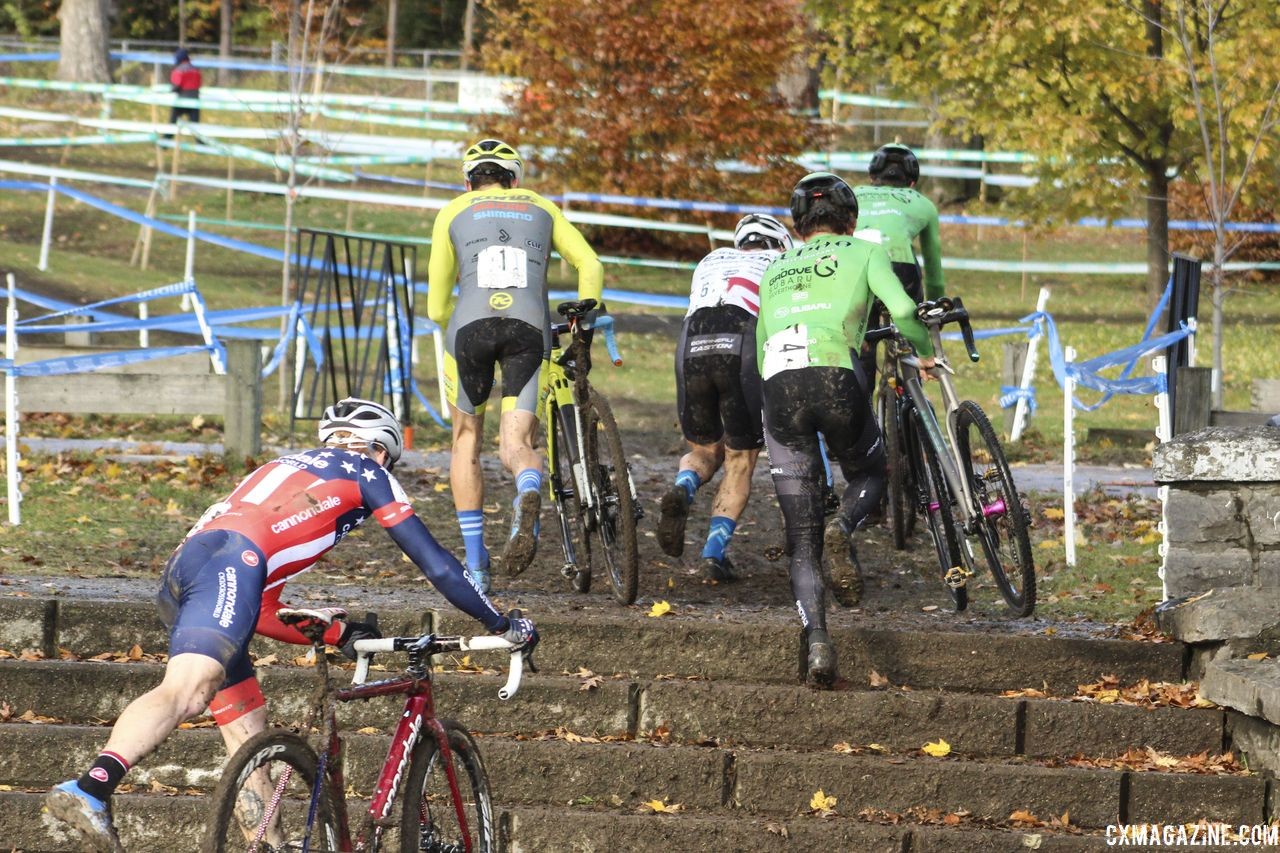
[(87, 363), (1011, 394)]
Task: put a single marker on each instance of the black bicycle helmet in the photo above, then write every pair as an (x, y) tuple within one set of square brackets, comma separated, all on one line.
[(822, 185), (894, 162)]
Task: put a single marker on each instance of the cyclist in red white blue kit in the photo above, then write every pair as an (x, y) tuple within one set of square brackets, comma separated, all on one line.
[(224, 581)]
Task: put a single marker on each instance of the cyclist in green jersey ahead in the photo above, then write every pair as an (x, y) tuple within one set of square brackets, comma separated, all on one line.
[(891, 205), (814, 304), (494, 241)]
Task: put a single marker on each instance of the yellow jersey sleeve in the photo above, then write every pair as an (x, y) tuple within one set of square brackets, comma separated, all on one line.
[(442, 268), (573, 247)]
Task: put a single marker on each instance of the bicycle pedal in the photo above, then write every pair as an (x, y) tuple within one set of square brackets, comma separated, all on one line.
[(568, 570), (957, 576)]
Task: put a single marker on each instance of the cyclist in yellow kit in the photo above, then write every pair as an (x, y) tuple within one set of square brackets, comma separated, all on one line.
[(494, 241)]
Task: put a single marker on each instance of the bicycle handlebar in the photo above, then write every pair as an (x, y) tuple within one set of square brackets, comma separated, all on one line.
[(365, 649), (949, 309), (602, 322)]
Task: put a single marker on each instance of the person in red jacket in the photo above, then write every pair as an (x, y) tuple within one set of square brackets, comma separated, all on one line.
[(185, 78)]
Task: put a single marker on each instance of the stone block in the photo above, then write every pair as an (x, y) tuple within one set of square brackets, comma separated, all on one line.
[(1055, 728), (1257, 741), (1219, 454), (1249, 686), (1224, 613), (1191, 571), (1260, 510), (1268, 576), (1179, 798), (1195, 517)]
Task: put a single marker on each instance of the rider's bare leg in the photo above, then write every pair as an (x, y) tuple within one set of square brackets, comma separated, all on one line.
[(464, 467), (190, 680)]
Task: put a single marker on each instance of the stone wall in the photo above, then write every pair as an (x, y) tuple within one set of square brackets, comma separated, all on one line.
[(1223, 509)]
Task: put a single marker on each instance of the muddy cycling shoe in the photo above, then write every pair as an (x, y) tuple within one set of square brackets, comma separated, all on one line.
[(523, 544), (87, 815), (675, 510), (719, 569), (822, 659), (841, 566), (483, 577)]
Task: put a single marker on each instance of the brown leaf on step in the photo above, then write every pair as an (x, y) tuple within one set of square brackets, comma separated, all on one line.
[(1022, 816), (878, 680), (777, 828), (158, 788)]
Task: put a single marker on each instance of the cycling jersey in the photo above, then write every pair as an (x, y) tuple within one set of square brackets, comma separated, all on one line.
[(298, 507), (901, 214), (729, 277), (815, 301), (495, 243)]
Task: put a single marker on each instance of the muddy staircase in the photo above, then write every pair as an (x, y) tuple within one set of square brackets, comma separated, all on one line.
[(703, 715)]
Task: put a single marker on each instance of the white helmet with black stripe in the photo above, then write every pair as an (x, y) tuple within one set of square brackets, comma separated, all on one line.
[(760, 230), (353, 421)]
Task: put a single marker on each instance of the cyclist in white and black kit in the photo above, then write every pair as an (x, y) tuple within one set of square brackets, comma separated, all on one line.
[(718, 388)]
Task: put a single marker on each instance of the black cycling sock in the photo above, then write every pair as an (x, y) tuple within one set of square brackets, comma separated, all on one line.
[(102, 778)]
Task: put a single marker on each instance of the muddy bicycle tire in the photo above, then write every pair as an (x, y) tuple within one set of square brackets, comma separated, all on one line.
[(564, 493), (614, 513), (290, 767), (900, 505), (428, 820), (934, 502)]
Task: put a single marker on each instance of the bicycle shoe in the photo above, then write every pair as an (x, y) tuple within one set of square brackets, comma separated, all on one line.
[(482, 576), (822, 660), (523, 544), (719, 569), (87, 815), (675, 511), (840, 564)]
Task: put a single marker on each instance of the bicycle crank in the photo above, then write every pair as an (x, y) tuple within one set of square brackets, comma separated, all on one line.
[(957, 576)]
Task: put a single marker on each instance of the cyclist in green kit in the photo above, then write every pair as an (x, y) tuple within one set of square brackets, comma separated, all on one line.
[(891, 205), (815, 301)]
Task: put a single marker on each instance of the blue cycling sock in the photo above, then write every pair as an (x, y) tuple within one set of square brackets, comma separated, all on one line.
[(529, 480), (472, 523), (718, 536), (689, 481)]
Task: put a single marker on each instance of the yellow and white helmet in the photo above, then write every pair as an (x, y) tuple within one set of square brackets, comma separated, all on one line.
[(493, 151)]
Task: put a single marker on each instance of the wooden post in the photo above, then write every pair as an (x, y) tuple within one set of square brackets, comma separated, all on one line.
[(143, 230), (177, 148), (1191, 404), (146, 230), (242, 415), (231, 176), (1015, 359), (78, 339)]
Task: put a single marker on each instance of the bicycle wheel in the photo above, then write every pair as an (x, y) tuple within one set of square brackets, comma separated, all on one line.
[(429, 819), (900, 509), (1002, 528), (613, 518), (564, 492), (262, 802), (934, 502)]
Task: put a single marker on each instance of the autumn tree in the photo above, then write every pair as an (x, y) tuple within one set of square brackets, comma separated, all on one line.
[(83, 41), (646, 97), (1083, 84), (1229, 56)]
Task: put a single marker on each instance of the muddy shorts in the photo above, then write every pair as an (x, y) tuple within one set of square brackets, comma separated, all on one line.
[(478, 348), (717, 383)]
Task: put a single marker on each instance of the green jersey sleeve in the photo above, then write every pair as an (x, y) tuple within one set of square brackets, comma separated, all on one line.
[(885, 285), (931, 249)]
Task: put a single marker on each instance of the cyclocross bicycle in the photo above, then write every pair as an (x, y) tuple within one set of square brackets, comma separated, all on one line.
[(279, 793), (958, 481), (589, 480)]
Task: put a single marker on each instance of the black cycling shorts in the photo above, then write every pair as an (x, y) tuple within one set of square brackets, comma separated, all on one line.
[(717, 383), (514, 346)]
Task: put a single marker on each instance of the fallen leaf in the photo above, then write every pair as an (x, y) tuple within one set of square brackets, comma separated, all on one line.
[(821, 804), (937, 749), (878, 680), (777, 829), (659, 608), (1257, 656), (661, 807)]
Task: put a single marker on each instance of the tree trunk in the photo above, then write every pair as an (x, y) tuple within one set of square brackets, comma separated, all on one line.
[(1219, 294), (84, 35), (392, 9), (182, 23), (468, 33), (224, 42), (1157, 229)]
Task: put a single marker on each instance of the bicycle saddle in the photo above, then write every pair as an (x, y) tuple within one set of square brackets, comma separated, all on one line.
[(576, 309)]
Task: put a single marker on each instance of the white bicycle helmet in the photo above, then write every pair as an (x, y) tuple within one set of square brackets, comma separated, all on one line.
[(366, 422), (761, 228)]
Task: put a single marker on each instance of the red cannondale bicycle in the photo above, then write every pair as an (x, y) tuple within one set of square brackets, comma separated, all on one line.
[(278, 793)]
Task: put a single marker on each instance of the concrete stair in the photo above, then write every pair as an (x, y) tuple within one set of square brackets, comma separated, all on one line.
[(705, 713)]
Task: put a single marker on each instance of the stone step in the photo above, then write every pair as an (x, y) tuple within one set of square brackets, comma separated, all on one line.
[(711, 779), (690, 711), (158, 824), (761, 648)]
